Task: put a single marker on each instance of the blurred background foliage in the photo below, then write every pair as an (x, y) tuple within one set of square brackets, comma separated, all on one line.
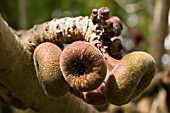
[(24, 14), (137, 17), (38, 11)]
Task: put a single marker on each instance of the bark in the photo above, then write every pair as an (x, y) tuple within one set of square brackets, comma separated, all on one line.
[(57, 31), (159, 29), (18, 74)]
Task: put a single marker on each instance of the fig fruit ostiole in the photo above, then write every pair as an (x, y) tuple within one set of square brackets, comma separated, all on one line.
[(46, 60), (83, 66)]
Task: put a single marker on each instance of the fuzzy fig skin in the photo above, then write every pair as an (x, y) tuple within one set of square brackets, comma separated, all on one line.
[(46, 60), (95, 97), (130, 77), (83, 66)]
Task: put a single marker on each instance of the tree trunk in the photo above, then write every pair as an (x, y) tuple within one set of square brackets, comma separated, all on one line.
[(159, 30), (18, 74)]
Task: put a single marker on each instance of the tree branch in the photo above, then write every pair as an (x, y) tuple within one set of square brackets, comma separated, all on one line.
[(18, 74)]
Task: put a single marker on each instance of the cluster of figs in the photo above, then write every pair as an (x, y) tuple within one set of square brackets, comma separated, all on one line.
[(97, 74)]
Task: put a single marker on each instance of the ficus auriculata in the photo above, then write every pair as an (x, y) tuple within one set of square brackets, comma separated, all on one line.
[(47, 64)]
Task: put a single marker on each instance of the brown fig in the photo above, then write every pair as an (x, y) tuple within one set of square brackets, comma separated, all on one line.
[(83, 66)]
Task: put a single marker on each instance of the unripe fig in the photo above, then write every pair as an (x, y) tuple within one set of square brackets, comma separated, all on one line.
[(83, 66), (115, 49), (130, 77), (117, 24), (94, 16), (46, 60), (103, 13)]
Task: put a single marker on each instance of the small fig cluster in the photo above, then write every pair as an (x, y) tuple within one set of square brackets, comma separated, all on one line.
[(94, 70)]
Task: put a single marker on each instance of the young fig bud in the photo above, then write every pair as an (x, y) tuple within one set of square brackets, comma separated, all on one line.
[(46, 60), (94, 16), (115, 49), (83, 66), (117, 24), (103, 13)]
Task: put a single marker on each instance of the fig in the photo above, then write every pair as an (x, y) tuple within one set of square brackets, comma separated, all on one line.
[(47, 64), (83, 66), (130, 77)]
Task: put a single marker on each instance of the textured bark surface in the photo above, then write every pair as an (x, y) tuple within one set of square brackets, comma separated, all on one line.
[(57, 31), (18, 74)]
